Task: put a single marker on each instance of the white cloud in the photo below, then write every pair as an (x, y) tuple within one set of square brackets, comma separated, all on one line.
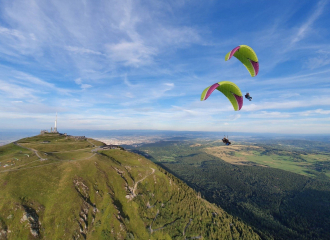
[(131, 53), (80, 50), (298, 79), (28, 80), (322, 59), (78, 81), (169, 84), (317, 62), (15, 91), (315, 101), (124, 58), (303, 30), (85, 86), (128, 83), (289, 95), (98, 42), (315, 112), (269, 115), (17, 84), (129, 95), (150, 93), (179, 37), (186, 111), (234, 117), (14, 43), (109, 95), (11, 32)]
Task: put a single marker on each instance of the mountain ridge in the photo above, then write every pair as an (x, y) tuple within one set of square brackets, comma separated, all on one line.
[(78, 193)]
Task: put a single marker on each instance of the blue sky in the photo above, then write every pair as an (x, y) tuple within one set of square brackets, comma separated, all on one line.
[(144, 64)]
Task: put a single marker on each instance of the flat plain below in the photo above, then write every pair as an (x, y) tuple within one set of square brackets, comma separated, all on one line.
[(308, 164)]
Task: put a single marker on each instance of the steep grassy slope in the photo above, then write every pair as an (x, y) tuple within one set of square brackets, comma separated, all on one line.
[(113, 194)]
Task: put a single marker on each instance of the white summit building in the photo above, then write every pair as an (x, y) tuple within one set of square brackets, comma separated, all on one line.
[(52, 130)]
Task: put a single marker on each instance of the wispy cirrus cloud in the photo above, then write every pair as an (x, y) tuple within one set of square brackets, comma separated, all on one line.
[(315, 101), (315, 112), (306, 26), (112, 64), (139, 95), (131, 53), (11, 32), (80, 50), (56, 23), (14, 91), (128, 83), (83, 86), (322, 59)]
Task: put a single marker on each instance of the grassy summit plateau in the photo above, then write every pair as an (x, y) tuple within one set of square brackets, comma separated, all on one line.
[(56, 187)]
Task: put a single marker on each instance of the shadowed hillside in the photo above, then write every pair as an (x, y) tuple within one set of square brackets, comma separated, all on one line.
[(278, 204), (70, 189)]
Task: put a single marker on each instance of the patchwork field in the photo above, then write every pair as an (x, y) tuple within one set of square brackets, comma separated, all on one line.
[(308, 164), (235, 154)]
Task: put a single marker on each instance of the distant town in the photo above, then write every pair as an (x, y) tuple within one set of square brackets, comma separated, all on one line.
[(130, 140)]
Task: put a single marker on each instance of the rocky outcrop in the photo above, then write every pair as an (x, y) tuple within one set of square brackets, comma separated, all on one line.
[(3, 230), (32, 217), (82, 189)]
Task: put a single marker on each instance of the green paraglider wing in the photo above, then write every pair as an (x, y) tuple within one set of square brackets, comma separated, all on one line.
[(229, 89), (247, 56)]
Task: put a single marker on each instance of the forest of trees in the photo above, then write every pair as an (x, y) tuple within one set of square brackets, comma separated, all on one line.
[(276, 203)]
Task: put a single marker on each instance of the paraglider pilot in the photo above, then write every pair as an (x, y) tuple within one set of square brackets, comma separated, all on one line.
[(247, 96), (226, 141)]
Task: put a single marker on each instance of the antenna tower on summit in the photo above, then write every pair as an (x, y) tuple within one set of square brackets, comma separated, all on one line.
[(55, 128)]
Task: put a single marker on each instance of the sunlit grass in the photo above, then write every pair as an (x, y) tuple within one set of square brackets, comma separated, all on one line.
[(48, 186)]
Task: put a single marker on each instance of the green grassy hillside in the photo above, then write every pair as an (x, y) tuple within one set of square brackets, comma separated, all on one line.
[(66, 189)]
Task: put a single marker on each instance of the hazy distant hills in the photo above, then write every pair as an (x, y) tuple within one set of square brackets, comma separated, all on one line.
[(57, 187), (138, 136)]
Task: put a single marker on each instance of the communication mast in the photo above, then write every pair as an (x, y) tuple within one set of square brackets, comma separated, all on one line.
[(55, 128)]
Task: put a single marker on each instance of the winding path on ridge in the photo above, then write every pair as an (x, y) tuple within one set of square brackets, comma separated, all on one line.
[(31, 149), (136, 184), (43, 159), (94, 151), (57, 162)]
